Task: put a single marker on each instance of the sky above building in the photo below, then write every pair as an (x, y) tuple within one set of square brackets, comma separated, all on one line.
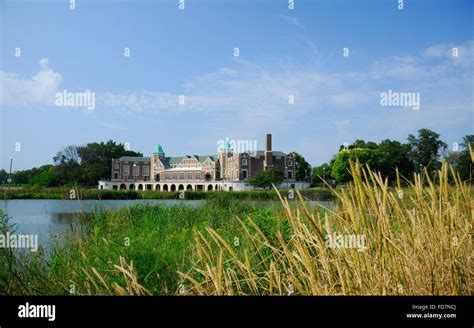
[(170, 76)]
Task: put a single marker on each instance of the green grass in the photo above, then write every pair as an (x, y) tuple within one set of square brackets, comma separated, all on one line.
[(87, 193), (157, 239)]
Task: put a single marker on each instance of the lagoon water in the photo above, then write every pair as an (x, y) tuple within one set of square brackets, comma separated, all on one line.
[(54, 219)]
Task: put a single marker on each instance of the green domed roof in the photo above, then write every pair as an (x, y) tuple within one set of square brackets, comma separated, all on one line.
[(158, 150)]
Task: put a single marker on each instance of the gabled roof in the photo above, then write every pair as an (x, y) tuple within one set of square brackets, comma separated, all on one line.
[(202, 158), (169, 161), (275, 153), (134, 159)]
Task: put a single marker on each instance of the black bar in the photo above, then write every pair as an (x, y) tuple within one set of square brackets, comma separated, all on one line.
[(294, 311)]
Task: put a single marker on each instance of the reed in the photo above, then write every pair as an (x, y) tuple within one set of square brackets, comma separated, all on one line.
[(416, 241)]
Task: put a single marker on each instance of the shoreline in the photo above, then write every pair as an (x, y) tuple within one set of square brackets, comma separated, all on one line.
[(315, 194)]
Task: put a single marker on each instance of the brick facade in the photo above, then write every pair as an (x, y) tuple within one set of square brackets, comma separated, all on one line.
[(192, 168)]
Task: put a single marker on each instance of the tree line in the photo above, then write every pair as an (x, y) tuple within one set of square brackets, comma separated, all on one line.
[(83, 165), (423, 152)]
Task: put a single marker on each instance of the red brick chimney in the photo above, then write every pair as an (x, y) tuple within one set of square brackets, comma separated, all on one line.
[(268, 152)]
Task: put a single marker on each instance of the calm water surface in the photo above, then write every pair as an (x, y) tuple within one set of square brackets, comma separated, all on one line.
[(54, 219)]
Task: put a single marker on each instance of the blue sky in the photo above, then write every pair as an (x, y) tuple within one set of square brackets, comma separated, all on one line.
[(190, 52)]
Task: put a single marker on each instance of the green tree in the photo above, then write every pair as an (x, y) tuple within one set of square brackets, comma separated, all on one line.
[(266, 178), (320, 173), (27, 176), (394, 155), (96, 159), (3, 176), (464, 164), (67, 169), (425, 149), (341, 167), (358, 143), (303, 169), (46, 178), (21, 177)]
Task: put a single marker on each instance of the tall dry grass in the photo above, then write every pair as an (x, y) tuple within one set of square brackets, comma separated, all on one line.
[(97, 284), (417, 242)]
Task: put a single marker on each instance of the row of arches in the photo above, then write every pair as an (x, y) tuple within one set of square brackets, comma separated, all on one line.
[(168, 187)]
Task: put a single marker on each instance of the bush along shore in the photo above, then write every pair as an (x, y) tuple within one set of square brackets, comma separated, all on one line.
[(74, 193), (374, 240)]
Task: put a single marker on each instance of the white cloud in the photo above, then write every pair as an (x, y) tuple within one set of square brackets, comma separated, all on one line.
[(252, 94), (434, 62), (37, 90), (405, 68), (142, 101), (247, 92)]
